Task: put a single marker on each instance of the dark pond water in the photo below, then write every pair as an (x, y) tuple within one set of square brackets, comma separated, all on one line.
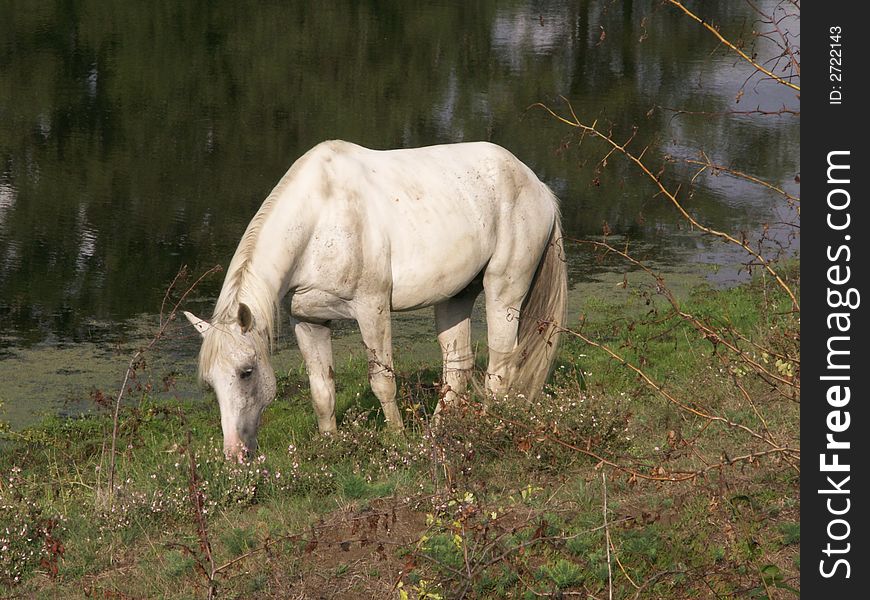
[(137, 137)]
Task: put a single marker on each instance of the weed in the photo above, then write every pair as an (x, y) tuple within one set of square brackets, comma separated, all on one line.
[(30, 537), (563, 573), (791, 533), (178, 565), (238, 540)]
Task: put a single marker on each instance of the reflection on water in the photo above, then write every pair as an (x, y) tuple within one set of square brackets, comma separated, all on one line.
[(138, 137)]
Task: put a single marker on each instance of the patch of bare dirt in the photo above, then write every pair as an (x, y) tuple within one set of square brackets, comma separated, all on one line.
[(354, 555)]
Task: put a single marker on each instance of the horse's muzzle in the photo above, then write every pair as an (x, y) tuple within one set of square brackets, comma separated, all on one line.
[(235, 448)]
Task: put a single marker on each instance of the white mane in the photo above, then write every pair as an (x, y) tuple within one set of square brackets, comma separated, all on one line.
[(242, 285)]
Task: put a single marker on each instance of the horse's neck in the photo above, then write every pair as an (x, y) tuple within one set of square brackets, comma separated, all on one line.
[(267, 252)]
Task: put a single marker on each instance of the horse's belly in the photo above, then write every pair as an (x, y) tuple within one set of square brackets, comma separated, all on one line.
[(430, 270), (432, 291)]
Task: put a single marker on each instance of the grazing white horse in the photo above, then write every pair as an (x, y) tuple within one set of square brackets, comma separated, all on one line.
[(353, 233)]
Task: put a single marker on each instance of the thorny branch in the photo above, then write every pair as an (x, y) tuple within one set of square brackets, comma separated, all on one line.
[(696, 411), (574, 121), (658, 474), (196, 501), (734, 48), (706, 164), (133, 365), (782, 38), (716, 337), (731, 113)]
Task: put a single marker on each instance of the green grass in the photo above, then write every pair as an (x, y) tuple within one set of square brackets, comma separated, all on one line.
[(563, 573), (504, 503)]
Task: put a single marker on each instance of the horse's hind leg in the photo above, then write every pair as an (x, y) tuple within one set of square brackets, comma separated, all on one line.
[(453, 322), (375, 327), (504, 298), (315, 343)]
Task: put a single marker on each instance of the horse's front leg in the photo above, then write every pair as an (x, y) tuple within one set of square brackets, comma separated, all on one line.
[(376, 330), (453, 323), (315, 344)]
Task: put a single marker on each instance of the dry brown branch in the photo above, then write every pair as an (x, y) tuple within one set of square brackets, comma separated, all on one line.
[(733, 47), (773, 353), (621, 567), (782, 37), (698, 412), (706, 164), (732, 113), (658, 474), (574, 121), (607, 536), (746, 396), (197, 504), (132, 366), (715, 337), (482, 566)]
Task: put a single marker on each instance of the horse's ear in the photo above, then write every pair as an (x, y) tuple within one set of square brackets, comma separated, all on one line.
[(246, 318), (201, 326)]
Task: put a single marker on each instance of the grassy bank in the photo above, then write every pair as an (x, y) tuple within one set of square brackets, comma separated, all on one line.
[(650, 468)]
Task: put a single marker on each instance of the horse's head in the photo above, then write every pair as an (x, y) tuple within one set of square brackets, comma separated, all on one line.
[(234, 361)]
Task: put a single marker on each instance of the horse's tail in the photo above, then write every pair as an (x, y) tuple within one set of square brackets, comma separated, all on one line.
[(542, 317)]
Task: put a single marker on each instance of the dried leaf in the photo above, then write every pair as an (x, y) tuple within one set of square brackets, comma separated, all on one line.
[(310, 546)]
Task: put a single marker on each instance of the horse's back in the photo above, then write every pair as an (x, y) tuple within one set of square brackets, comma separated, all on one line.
[(443, 213), (467, 167), (432, 187)]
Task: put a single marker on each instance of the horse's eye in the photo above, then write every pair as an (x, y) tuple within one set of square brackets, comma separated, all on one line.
[(246, 373)]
